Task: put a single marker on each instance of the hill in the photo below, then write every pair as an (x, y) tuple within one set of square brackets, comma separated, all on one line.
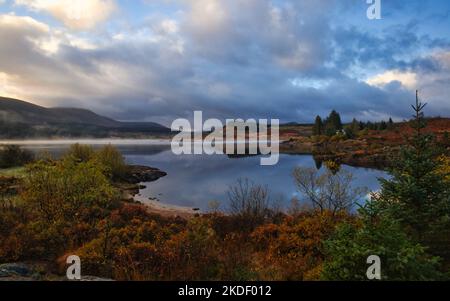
[(20, 119)]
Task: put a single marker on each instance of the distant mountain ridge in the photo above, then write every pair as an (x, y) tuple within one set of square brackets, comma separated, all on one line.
[(38, 121)]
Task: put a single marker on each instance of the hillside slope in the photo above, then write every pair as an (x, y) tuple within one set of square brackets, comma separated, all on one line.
[(19, 119)]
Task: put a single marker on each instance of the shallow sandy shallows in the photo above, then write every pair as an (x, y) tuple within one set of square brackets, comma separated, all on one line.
[(167, 209)]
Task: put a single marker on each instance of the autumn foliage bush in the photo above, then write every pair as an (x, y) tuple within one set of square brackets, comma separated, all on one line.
[(135, 245), (293, 250), (58, 207), (108, 156)]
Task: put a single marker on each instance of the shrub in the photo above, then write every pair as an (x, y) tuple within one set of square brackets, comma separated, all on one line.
[(328, 191), (249, 202), (65, 200), (401, 259), (113, 160), (193, 253), (80, 152), (293, 250), (131, 245), (108, 156), (13, 156), (65, 188)]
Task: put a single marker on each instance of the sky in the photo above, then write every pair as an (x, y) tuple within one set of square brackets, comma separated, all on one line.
[(158, 60)]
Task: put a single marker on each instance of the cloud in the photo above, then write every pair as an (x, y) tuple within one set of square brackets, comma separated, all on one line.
[(79, 14), (407, 79), (119, 76), (232, 59), (285, 35)]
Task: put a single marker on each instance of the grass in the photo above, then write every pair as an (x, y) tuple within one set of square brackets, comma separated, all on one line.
[(17, 172)]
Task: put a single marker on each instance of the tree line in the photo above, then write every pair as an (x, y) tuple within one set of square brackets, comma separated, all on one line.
[(333, 125)]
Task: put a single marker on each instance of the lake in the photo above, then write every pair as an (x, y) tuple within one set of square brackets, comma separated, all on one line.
[(195, 180)]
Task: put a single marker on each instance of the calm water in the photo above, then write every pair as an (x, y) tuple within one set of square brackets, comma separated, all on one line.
[(194, 181)]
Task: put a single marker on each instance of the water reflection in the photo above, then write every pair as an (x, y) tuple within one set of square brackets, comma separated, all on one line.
[(196, 180)]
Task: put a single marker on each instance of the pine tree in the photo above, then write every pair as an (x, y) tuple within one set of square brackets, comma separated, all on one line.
[(416, 194), (362, 126), (390, 125), (333, 123), (355, 126), (335, 120), (318, 127), (352, 129)]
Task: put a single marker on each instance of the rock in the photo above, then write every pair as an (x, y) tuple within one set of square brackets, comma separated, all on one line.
[(15, 270), (196, 209), (139, 174)]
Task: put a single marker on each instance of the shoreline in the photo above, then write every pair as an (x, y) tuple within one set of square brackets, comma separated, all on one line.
[(141, 176), (167, 210)]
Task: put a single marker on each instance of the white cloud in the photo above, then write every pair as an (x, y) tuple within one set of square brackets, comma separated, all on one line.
[(6, 89), (43, 37), (208, 16), (407, 79), (31, 66), (79, 14), (16, 22)]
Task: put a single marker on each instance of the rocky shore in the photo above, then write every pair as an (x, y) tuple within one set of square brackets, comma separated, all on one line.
[(133, 183), (139, 174)]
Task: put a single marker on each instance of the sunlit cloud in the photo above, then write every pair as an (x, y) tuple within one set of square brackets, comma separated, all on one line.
[(407, 79), (79, 14)]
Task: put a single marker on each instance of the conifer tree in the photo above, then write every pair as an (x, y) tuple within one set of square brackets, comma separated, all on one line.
[(318, 127), (333, 123), (335, 120), (416, 194), (390, 124)]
